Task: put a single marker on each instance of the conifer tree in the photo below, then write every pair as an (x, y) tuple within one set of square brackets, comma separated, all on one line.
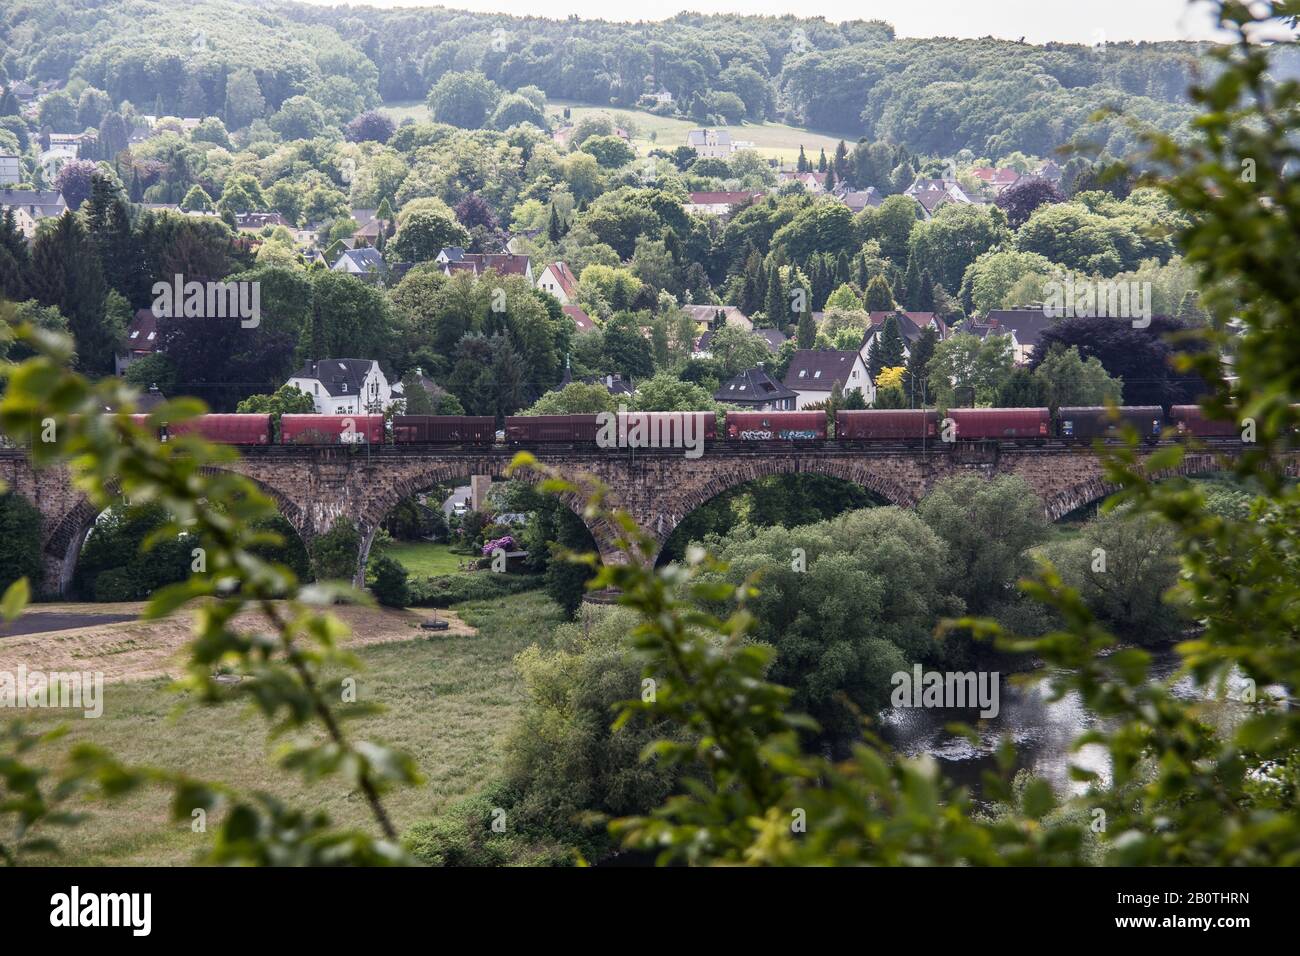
[(891, 344), (776, 305), (66, 274), (879, 297), (925, 299)]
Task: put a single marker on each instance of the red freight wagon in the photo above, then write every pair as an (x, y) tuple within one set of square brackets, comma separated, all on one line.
[(667, 427), (776, 426), (445, 429), (976, 423), (332, 429), (1190, 419), (525, 429), (226, 429), (886, 424)]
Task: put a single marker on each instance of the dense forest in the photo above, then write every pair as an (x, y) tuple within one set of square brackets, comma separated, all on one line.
[(853, 79)]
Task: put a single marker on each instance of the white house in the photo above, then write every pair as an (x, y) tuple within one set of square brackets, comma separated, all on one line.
[(718, 203), (558, 279), (813, 374), (710, 143), (54, 159), (344, 386), (11, 169), (361, 262)]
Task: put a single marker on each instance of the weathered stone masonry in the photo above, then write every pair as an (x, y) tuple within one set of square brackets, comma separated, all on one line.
[(314, 486)]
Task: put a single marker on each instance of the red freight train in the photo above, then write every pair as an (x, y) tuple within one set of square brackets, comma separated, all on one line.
[(332, 429), (886, 425), (1000, 423), (1191, 420), (776, 426), (444, 429), (570, 429), (634, 429), (225, 429)]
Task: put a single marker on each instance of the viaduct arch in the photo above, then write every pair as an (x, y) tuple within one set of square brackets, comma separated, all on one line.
[(312, 487)]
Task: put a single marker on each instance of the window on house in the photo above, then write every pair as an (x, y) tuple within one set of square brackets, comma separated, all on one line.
[(817, 374)]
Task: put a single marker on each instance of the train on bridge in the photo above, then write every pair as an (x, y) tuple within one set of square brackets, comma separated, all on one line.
[(1020, 426)]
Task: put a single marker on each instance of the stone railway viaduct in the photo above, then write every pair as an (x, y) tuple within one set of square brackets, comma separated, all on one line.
[(657, 487)]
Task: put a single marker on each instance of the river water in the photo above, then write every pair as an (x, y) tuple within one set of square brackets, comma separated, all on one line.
[(1041, 730)]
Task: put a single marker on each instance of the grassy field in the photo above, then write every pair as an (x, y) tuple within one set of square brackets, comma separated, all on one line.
[(448, 702), (774, 140), (425, 558)]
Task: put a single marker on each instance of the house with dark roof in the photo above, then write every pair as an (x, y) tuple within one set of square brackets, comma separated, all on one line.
[(367, 231), (813, 374), (30, 206), (935, 193), (257, 221), (710, 143), (558, 279), (910, 327), (364, 261), (1026, 326), (859, 199), (757, 391), (344, 386), (141, 340)]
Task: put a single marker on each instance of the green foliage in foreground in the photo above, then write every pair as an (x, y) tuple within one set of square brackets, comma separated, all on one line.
[(282, 664)]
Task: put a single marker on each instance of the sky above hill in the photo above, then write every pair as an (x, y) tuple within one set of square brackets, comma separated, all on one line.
[(1038, 21)]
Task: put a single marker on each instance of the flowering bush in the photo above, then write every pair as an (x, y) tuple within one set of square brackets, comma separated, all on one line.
[(506, 543)]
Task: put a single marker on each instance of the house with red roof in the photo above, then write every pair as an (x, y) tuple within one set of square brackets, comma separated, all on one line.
[(558, 279), (455, 259), (581, 320)]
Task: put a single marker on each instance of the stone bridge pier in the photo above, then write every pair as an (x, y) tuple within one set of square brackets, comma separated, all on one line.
[(314, 487)]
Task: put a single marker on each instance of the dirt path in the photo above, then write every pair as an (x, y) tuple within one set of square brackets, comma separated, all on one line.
[(136, 650)]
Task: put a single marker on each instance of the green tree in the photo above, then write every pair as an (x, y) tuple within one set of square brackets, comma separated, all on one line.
[(891, 344), (1122, 564), (388, 581), (879, 297), (463, 99), (1069, 380), (66, 275), (859, 609), (988, 525), (335, 553), (20, 542), (965, 361)]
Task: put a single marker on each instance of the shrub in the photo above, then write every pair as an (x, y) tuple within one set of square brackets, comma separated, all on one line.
[(334, 553), (389, 584), (446, 590)]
